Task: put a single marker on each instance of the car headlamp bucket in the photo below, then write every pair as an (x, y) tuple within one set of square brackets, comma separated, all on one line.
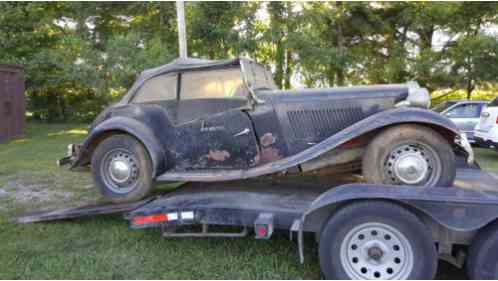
[(417, 96)]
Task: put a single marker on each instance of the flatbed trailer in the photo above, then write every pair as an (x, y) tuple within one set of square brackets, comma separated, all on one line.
[(363, 231)]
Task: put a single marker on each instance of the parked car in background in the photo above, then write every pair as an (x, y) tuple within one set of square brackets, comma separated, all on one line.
[(486, 131), (464, 113)]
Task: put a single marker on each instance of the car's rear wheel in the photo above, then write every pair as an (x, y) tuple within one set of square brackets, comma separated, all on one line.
[(122, 169), (409, 155)]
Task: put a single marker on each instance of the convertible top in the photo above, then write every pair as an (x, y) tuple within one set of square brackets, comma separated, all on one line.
[(179, 64), (188, 64)]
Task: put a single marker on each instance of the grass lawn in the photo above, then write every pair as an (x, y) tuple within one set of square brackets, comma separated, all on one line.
[(104, 247)]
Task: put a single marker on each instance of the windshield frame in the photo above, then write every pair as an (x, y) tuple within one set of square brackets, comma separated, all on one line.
[(248, 77)]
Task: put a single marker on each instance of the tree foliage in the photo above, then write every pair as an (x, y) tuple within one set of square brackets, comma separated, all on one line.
[(81, 56)]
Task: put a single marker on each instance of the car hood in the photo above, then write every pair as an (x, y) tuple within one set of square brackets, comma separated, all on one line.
[(409, 94)]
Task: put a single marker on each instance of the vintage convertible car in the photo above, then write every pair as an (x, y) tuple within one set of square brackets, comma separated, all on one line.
[(203, 120)]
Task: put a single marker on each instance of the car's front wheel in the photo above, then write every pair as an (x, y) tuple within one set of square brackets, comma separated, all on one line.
[(409, 155), (122, 169)]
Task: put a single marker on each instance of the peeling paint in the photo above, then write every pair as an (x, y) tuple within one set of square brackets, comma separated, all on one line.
[(269, 154), (218, 155), (267, 140)]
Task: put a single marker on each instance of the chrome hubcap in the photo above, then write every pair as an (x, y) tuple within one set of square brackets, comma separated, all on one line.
[(410, 164), (120, 170), (376, 251), (411, 168)]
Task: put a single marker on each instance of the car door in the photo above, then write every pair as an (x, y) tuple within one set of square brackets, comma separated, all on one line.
[(465, 116), (212, 129)]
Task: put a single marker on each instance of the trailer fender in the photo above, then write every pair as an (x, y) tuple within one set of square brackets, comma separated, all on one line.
[(454, 208), (117, 125), (463, 210)]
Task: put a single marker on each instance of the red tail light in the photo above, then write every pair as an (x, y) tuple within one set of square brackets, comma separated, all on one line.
[(496, 119), (156, 218)]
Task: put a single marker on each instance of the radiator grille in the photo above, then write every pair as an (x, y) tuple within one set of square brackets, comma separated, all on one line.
[(321, 123)]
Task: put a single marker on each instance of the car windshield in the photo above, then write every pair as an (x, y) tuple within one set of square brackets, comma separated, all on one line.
[(258, 76), (443, 106)]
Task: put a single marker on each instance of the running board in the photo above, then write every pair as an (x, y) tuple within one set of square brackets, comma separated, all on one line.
[(203, 176)]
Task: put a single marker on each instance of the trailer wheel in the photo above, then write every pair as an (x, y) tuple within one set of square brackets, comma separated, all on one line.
[(376, 240), (482, 261), (409, 155), (122, 169)]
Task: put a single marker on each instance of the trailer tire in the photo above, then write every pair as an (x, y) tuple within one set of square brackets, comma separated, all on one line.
[(122, 169), (376, 240), (409, 155), (483, 254)]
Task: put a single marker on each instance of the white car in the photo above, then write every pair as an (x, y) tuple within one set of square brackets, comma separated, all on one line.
[(464, 113), (486, 131)]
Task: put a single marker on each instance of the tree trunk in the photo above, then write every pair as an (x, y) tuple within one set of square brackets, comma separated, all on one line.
[(288, 68), (276, 11), (280, 64), (340, 44), (162, 21), (470, 88)]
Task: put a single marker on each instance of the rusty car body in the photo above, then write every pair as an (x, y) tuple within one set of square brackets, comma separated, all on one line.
[(203, 120)]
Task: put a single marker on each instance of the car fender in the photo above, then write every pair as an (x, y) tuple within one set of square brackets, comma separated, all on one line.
[(374, 122), (129, 126)]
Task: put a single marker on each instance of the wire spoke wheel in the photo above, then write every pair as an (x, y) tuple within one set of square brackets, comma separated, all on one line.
[(376, 251), (413, 163)]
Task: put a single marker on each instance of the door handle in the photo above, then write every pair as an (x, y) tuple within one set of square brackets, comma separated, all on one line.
[(243, 132)]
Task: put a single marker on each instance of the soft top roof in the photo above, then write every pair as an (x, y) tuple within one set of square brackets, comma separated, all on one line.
[(179, 64), (189, 64)]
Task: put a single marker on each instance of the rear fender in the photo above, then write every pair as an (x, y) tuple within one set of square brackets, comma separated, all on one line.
[(126, 125)]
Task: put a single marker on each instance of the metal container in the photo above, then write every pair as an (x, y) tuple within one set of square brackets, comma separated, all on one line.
[(12, 102)]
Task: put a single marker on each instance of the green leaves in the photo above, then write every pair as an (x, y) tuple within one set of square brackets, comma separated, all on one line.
[(80, 56)]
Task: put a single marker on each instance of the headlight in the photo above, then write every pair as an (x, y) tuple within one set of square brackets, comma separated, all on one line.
[(417, 96)]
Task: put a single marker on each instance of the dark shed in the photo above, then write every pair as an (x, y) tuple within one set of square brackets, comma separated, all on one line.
[(12, 102)]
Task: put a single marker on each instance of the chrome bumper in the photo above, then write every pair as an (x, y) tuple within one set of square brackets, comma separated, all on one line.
[(72, 155), (464, 143)]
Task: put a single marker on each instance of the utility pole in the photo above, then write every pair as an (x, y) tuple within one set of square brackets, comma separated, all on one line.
[(182, 34)]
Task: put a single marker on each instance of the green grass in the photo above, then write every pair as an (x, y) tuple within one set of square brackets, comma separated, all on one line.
[(104, 247), (487, 158)]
